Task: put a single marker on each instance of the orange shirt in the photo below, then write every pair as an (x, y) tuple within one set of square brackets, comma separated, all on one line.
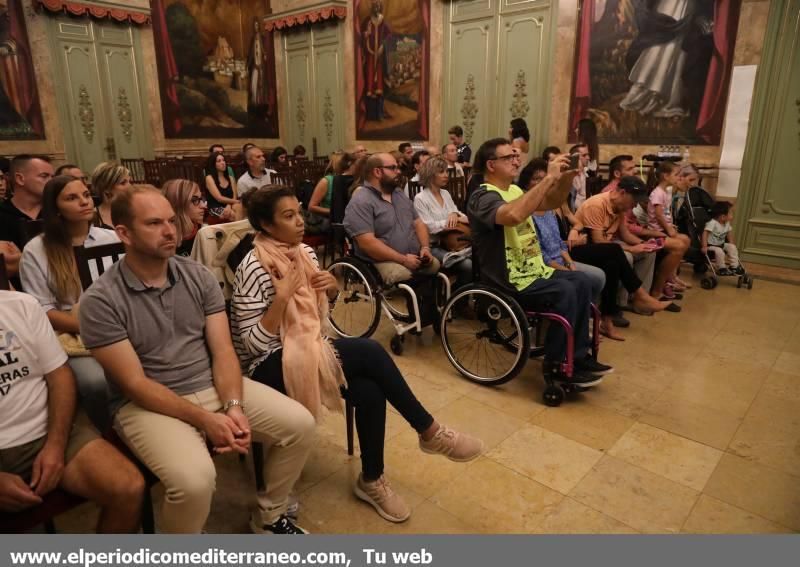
[(596, 213)]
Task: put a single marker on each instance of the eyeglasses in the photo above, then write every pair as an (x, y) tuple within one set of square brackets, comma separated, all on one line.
[(197, 200), (509, 157), (391, 167)]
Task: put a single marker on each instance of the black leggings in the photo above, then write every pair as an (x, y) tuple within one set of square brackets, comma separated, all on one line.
[(372, 380), (611, 259)]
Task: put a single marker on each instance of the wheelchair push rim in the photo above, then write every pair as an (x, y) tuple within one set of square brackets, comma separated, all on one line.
[(490, 345), (356, 312)]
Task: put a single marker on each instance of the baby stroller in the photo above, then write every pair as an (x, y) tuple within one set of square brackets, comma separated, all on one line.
[(697, 212)]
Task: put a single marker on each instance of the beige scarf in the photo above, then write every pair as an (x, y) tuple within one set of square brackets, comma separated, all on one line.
[(311, 372)]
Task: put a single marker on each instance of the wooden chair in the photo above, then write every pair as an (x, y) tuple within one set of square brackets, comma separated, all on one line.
[(152, 173), (414, 188), (136, 167), (457, 188), (88, 258)]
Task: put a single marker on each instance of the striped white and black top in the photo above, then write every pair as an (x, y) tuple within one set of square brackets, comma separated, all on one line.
[(252, 295)]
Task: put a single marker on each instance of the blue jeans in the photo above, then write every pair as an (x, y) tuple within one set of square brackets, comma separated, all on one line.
[(570, 295)]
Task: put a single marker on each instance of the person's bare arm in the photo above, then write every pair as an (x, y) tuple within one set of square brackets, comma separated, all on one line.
[(316, 198), (212, 189), (62, 395), (662, 221), (227, 374), (11, 256), (548, 194), (63, 321)]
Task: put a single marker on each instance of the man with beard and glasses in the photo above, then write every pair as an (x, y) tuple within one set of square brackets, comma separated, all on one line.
[(386, 229), (156, 323)]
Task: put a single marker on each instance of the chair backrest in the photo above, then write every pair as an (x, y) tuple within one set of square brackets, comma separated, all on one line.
[(457, 188), (4, 283), (136, 167), (414, 188), (92, 262)]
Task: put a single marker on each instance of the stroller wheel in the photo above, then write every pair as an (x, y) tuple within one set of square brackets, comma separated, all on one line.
[(553, 395), (749, 282), (740, 281), (707, 283), (714, 283)]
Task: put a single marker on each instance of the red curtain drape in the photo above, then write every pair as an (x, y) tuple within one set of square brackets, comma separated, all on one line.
[(424, 80), (167, 71), (361, 107), (272, 89), (712, 109), (582, 93), (18, 72)]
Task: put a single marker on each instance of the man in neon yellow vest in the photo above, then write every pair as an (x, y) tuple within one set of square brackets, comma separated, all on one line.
[(509, 256)]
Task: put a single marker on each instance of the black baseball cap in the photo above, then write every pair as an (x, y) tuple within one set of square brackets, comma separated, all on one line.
[(634, 186)]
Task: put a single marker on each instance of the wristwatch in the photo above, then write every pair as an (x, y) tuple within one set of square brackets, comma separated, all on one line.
[(230, 403)]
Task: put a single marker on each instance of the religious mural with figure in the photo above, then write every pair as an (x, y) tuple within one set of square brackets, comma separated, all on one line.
[(654, 71), (20, 113), (216, 68), (392, 54)]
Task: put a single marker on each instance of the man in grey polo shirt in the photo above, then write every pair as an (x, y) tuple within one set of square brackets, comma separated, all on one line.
[(156, 323), (256, 175), (385, 226)]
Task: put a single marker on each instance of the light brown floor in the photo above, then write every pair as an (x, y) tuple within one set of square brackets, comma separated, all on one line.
[(698, 430)]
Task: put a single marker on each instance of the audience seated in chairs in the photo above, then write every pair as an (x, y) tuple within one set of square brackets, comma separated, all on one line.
[(279, 156), (445, 223), (221, 191), (49, 274), (450, 154), (73, 170), (190, 208), (28, 176), (279, 308), (385, 226), (510, 258), (43, 445), (606, 258), (321, 199), (464, 152), (176, 379), (108, 180)]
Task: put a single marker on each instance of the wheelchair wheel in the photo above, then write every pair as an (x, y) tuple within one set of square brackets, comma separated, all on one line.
[(356, 312), (485, 335)]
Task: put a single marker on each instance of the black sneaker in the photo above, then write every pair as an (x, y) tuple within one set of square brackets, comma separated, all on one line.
[(591, 366), (621, 322), (283, 526), (581, 378)]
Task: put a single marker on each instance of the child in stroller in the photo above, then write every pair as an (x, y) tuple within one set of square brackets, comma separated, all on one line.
[(718, 239)]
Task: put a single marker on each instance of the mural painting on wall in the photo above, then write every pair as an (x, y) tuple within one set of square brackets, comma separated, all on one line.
[(20, 113), (654, 71), (392, 54), (216, 68)]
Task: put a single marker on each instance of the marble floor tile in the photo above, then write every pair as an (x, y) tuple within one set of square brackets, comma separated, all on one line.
[(666, 454), (585, 423), (685, 418), (756, 488), (546, 457), (636, 497), (572, 517), (712, 516), (496, 499)]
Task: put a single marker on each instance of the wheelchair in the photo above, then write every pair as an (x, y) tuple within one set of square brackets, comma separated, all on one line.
[(489, 338), (363, 296)]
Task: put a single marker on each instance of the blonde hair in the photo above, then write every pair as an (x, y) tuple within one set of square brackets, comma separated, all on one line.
[(107, 175), (429, 169), (179, 193)]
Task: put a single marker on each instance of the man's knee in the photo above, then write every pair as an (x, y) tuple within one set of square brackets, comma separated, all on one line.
[(191, 482)]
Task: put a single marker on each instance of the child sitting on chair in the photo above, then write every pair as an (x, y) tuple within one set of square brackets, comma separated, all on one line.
[(718, 238)]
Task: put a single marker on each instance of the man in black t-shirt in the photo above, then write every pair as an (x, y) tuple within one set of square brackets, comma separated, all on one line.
[(29, 174)]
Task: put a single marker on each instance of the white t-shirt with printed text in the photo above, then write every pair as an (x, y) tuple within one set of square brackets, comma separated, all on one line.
[(29, 349)]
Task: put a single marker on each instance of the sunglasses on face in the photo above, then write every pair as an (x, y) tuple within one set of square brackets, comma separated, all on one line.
[(197, 200)]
